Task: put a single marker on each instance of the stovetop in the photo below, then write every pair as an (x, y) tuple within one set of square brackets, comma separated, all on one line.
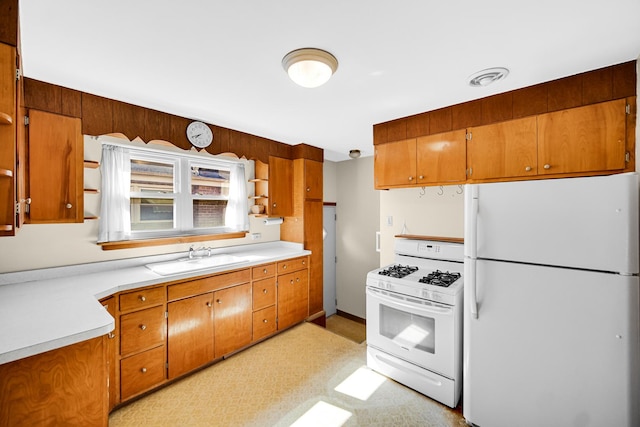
[(429, 270)]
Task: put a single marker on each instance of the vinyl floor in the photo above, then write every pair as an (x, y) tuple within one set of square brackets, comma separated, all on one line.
[(305, 376)]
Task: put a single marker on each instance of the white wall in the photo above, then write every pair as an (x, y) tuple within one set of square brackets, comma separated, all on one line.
[(425, 211), (329, 185), (357, 209)]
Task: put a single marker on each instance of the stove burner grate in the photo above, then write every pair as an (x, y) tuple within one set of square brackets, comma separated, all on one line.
[(438, 278), (398, 271)]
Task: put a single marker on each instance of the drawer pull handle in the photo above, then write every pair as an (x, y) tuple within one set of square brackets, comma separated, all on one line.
[(304, 262), (219, 301), (142, 298), (297, 279), (284, 267), (264, 271), (111, 335), (547, 166), (264, 291), (208, 303), (528, 169), (143, 327), (265, 321), (291, 281), (143, 370)]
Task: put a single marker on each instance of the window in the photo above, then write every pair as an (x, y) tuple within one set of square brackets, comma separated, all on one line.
[(169, 194)]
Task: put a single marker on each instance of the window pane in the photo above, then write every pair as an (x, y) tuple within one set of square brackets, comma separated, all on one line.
[(209, 181), (151, 214), (209, 213), (151, 176)]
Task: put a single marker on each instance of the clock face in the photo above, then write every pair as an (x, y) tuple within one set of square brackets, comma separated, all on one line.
[(199, 134)]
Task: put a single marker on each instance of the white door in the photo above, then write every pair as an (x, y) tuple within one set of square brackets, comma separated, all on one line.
[(550, 347), (589, 223), (329, 259)]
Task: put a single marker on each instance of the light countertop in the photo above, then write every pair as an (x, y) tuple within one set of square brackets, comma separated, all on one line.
[(42, 310)]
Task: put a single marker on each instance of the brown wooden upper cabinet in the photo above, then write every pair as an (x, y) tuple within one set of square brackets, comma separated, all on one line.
[(502, 150), (441, 158), (583, 139), (280, 186), (427, 160), (56, 173), (313, 180)]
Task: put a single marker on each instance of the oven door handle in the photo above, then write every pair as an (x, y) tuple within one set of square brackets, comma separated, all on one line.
[(428, 307)]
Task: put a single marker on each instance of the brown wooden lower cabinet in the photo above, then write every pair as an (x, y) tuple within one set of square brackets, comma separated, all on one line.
[(189, 334), (264, 322), (141, 372), (293, 298), (65, 386)]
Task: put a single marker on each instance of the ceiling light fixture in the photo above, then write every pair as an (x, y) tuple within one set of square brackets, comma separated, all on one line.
[(310, 67), (354, 154), (488, 76)]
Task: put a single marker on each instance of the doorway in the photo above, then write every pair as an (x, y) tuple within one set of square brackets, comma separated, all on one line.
[(329, 259)]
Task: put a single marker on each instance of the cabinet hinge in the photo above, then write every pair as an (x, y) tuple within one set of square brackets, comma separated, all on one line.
[(469, 171), (627, 157), (17, 208), (166, 365), (469, 135), (627, 108), (26, 120), (18, 73), (166, 314), (336, 260)]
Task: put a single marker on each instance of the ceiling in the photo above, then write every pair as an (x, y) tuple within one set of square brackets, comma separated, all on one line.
[(220, 61)]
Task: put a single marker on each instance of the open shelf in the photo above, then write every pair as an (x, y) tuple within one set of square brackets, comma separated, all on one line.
[(90, 217), (91, 190)]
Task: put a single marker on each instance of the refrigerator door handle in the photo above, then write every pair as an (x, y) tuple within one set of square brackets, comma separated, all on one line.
[(470, 286), (471, 222)]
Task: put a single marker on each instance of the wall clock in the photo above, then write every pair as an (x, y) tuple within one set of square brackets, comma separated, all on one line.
[(199, 134)]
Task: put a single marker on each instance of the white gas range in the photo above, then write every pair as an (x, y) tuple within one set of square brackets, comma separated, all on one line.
[(414, 318)]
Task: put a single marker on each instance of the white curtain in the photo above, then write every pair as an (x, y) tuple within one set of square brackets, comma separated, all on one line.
[(115, 219), (237, 206)]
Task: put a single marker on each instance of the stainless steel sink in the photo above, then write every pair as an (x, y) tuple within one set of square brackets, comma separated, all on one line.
[(183, 265)]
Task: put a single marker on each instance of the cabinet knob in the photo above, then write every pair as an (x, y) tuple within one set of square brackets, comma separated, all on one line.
[(68, 205), (143, 327), (142, 298), (274, 205), (421, 177), (304, 262), (264, 291), (528, 169), (547, 166), (219, 301), (410, 178), (308, 189), (143, 370), (208, 303), (111, 335), (284, 267), (297, 279), (264, 271), (265, 321), (291, 282)]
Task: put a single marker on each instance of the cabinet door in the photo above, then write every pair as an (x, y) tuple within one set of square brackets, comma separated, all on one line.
[(503, 150), (190, 334), (293, 298), (313, 242), (233, 318), (280, 187), (441, 158), (55, 168), (584, 139), (313, 180), (8, 140), (394, 164)]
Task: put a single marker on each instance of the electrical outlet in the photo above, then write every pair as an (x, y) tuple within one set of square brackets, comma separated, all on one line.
[(256, 236), (389, 221)]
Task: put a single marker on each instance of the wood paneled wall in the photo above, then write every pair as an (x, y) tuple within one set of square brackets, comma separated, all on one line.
[(605, 84), (101, 116)]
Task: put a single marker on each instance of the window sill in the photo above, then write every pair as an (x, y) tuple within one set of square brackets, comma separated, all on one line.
[(128, 244)]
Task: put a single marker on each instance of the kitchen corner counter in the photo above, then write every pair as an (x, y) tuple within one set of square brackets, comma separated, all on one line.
[(42, 310)]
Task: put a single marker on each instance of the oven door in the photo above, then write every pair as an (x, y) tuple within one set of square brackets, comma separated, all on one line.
[(416, 330)]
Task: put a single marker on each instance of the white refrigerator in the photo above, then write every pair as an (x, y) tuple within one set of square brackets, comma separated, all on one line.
[(551, 319)]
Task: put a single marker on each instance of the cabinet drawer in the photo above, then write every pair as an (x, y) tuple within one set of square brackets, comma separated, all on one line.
[(262, 271), (264, 293), (264, 322), (141, 372), (293, 265), (142, 298), (208, 284), (141, 329)]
